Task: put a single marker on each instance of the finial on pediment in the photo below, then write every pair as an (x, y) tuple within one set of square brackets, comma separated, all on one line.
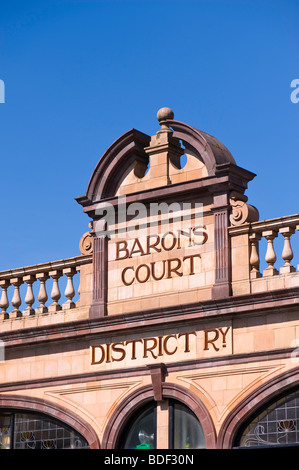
[(164, 115)]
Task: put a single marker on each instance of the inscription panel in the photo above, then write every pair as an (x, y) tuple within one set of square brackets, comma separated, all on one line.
[(165, 348), (161, 260)]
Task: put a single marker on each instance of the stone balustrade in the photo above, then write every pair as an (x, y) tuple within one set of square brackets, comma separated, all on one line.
[(45, 273), (262, 259), (271, 229), (262, 256)]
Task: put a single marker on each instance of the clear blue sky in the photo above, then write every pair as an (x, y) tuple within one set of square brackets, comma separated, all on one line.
[(78, 74)]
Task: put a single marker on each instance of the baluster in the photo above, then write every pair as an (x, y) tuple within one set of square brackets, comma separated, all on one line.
[(79, 286), (69, 291), (42, 295), (16, 300), (287, 252), (254, 255), (55, 294), (270, 254), (29, 298), (4, 303)]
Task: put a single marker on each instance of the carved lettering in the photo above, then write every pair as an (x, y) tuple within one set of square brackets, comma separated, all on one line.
[(155, 244), (133, 342), (187, 342), (122, 246), (147, 348), (154, 347), (153, 271), (146, 273), (215, 335), (165, 345), (93, 353), (211, 340), (175, 269), (124, 278), (120, 350), (224, 333), (136, 248), (164, 243), (191, 258), (170, 268)]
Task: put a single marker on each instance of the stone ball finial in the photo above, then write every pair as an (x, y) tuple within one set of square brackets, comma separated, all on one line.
[(165, 114)]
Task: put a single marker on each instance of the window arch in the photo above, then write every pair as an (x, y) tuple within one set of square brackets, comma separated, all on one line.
[(275, 424), (42, 407), (184, 428), (126, 411), (27, 430)]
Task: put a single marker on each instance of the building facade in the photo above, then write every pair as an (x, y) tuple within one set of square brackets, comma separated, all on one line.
[(183, 331)]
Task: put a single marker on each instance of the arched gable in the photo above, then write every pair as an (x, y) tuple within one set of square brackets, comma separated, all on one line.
[(206, 147), (125, 151), (130, 155)]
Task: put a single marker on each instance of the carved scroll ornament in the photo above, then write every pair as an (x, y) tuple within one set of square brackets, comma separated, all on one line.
[(241, 211), (86, 243)]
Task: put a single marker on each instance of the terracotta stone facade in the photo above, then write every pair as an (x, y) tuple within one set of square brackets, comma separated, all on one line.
[(174, 304)]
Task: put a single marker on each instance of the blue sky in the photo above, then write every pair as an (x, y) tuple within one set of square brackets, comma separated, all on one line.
[(78, 74)]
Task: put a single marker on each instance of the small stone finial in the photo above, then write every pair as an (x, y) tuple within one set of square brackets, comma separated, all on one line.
[(164, 114)]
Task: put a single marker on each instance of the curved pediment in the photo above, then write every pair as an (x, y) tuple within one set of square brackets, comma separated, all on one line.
[(204, 146), (137, 162), (126, 153)]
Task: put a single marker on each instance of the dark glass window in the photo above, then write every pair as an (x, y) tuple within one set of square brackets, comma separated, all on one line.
[(5, 430), (185, 429), (35, 431), (140, 433), (275, 425)]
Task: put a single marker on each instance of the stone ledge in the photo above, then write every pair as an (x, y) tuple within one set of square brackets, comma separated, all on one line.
[(283, 300)]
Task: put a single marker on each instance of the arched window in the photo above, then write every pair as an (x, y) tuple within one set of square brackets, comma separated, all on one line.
[(184, 429), (140, 432), (35, 431), (277, 424)]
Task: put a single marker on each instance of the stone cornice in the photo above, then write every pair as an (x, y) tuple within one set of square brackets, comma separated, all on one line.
[(230, 178), (280, 301), (202, 363)]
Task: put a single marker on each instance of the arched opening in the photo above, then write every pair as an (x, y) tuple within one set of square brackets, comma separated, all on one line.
[(26, 408), (275, 424), (26, 430), (179, 420), (184, 428), (140, 431), (252, 410)]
